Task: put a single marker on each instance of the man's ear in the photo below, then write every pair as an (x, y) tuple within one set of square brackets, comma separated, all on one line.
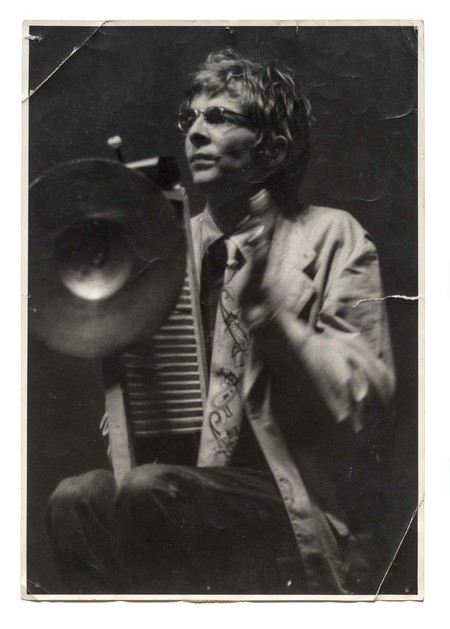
[(276, 150)]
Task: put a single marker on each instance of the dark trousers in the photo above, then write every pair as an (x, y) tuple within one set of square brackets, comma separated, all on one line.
[(173, 530)]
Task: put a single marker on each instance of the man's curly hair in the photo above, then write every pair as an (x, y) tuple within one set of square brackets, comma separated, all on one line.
[(270, 97)]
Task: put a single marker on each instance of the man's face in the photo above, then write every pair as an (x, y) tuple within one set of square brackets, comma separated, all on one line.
[(220, 155)]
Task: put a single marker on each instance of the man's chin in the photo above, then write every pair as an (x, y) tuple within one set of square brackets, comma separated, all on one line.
[(205, 179)]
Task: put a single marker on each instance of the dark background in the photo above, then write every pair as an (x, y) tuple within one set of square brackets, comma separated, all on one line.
[(87, 84)]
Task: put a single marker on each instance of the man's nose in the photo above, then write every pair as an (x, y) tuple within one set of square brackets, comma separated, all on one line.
[(198, 134)]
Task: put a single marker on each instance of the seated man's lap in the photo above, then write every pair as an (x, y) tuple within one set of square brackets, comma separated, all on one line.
[(196, 530)]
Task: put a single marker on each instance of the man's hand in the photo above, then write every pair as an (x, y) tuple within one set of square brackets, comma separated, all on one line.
[(258, 301)]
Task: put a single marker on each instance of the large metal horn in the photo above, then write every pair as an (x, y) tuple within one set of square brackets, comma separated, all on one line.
[(107, 257)]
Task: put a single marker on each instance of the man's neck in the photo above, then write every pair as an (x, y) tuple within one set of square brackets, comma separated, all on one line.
[(229, 214)]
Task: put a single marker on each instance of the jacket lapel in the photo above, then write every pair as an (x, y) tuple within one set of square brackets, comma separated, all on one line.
[(289, 261)]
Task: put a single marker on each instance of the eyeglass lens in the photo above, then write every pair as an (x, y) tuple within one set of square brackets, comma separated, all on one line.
[(212, 115)]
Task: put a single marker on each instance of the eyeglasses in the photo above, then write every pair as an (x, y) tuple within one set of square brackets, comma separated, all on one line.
[(213, 117)]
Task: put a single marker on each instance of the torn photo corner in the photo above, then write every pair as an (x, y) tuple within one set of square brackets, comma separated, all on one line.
[(223, 321)]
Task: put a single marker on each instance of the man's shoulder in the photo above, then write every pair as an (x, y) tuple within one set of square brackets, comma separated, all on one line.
[(314, 215), (320, 222), (325, 231)]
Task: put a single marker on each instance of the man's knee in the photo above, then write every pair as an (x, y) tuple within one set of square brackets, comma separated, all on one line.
[(154, 494), (87, 489), (143, 480)]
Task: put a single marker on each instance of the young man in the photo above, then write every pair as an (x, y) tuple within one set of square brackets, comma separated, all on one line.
[(287, 496)]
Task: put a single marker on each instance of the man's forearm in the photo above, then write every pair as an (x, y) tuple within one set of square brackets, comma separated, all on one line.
[(340, 369)]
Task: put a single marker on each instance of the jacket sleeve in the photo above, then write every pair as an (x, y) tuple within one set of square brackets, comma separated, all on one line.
[(344, 355)]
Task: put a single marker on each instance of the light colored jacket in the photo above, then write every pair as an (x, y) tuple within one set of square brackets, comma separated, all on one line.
[(318, 388)]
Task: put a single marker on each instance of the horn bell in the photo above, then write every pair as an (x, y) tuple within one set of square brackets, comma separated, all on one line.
[(107, 257)]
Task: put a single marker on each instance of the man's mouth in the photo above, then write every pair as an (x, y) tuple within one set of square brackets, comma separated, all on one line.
[(202, 157)]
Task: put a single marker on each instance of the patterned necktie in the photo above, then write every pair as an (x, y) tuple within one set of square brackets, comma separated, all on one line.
[(224, 408)]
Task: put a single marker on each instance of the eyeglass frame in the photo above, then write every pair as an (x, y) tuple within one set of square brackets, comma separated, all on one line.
[(204, 113)]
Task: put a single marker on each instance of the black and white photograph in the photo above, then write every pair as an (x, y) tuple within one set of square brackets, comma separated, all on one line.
[(223, 337)]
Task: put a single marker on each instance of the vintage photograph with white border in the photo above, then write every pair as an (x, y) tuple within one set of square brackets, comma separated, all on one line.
[(325, 336)]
